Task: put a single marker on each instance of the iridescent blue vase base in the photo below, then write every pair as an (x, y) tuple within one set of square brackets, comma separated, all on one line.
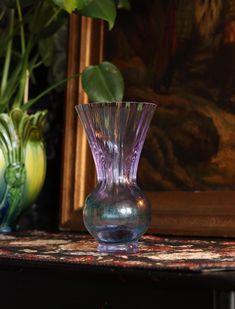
[(5, 230), (131, 247)]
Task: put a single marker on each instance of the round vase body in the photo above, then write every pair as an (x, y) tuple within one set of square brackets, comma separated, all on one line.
[(120, 215), (117, 213), (22, 164)]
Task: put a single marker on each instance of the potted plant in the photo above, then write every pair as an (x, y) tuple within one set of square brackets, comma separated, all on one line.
[(26, 27)]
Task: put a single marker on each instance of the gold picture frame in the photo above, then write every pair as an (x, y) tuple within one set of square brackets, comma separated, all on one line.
[(210, 213)]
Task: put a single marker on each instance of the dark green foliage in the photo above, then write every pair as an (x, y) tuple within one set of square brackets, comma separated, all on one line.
[(103, 82)]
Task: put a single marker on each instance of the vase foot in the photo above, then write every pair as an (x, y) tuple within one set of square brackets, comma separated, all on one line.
[(131, 247)]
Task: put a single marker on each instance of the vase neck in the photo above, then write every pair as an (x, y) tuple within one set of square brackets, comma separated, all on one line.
[(116, 163), (116, 134)]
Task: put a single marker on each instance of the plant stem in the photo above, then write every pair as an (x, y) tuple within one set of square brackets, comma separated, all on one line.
[(53, 17), (24, 53), (23, 79), (22, 95), (2, 14), (8, 55), (45, 92), (22, 34), (26, 88)]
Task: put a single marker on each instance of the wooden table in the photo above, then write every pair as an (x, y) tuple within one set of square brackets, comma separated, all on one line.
[(28, 282)]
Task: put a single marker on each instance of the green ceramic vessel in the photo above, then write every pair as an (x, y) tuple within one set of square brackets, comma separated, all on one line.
[(22, 163)]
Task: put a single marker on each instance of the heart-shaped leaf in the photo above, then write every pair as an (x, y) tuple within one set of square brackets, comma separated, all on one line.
[(81, 4), (103, 9), (103, 82)]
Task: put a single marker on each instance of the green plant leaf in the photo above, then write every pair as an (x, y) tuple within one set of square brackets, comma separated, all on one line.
[(46, 50), (67, 5), (103, 9), (47, 21), (124, 4), (103, 82), (13, 82), (53, 26), (81, 4)]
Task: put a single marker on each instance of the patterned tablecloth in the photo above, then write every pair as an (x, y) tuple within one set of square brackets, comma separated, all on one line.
[(159, 253)]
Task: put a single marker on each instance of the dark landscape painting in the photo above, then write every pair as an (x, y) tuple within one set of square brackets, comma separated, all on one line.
[(180, 54)]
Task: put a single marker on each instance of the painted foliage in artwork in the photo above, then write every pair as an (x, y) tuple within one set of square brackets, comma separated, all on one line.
[(181, 55)]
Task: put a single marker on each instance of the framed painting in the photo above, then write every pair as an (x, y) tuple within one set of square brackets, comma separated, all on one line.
[(180, 56)]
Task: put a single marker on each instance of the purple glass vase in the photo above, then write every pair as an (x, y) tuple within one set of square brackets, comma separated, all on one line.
[(117, 213)]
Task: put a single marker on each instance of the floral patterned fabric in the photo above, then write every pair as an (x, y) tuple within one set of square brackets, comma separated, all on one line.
[(158, 253)]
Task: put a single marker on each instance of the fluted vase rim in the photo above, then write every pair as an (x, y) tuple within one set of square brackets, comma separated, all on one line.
[(118, 102)]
